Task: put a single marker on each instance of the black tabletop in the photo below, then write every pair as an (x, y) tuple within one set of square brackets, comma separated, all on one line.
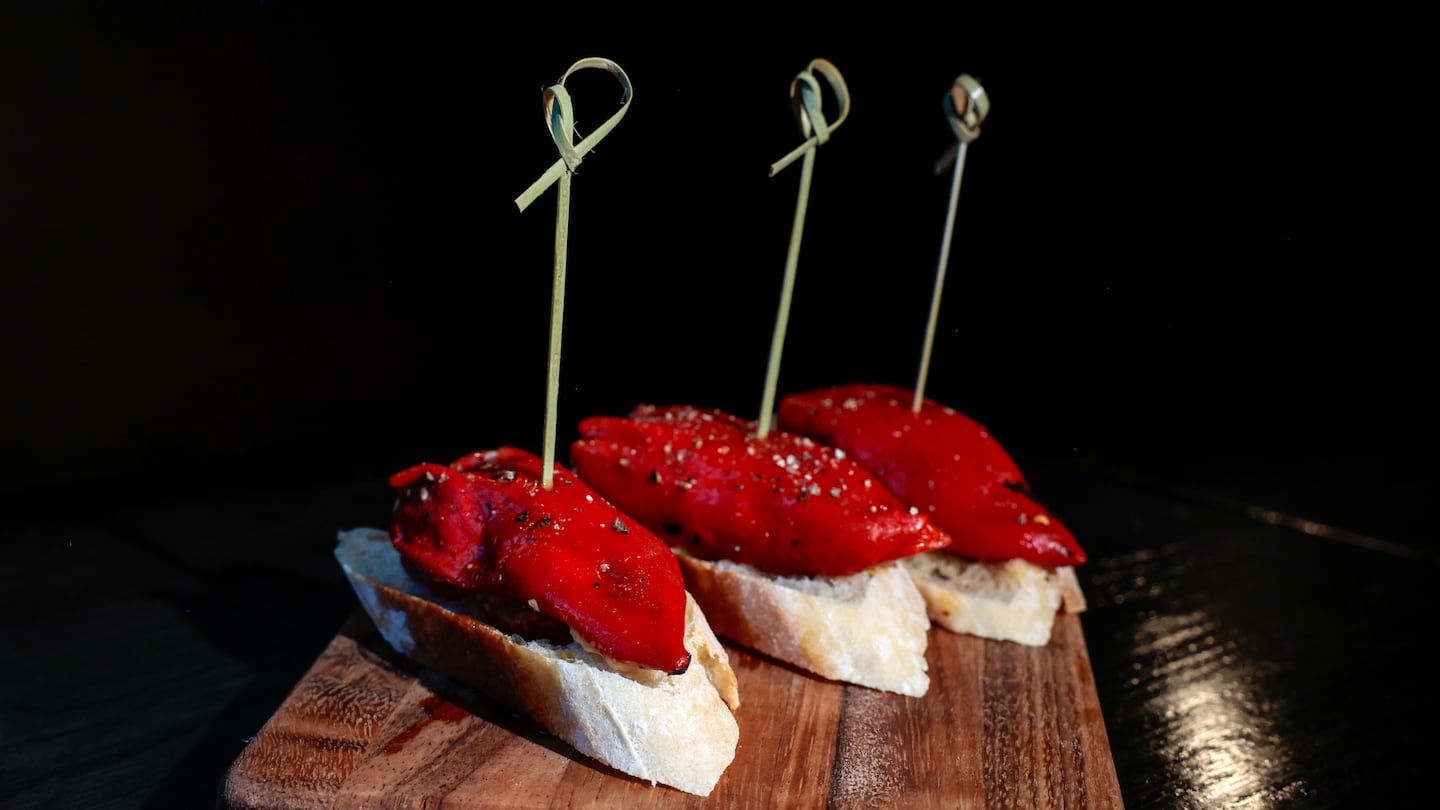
[(258, 257)]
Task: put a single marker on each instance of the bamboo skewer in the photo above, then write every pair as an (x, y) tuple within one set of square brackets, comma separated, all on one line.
[(966, 106), (805, 102), (559, 116)]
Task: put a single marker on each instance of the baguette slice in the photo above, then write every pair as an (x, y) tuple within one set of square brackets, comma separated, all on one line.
[(676, 730), (868, 629), (1011, 600)]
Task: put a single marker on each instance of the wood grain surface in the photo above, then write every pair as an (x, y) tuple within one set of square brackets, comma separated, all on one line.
[(1002, 726)]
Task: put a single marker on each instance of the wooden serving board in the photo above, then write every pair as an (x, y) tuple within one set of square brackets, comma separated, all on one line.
[(1002, 726)]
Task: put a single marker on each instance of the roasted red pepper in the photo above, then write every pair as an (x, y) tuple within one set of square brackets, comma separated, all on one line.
[(486, 525), (784, 504), (940, 461)]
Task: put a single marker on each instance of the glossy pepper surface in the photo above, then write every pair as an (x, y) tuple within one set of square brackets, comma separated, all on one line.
[(785, 504), (485, 524), (940, 461)]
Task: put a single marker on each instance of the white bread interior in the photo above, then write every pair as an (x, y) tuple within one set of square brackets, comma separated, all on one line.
[(1010, 600), (868, 629), (676, 730)]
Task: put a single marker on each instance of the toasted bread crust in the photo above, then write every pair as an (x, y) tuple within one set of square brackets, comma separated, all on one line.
[(676, 730), (868, 629), (1072, 598)]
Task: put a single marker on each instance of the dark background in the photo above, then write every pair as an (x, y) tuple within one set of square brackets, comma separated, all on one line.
[(255, 257), (274, 236)]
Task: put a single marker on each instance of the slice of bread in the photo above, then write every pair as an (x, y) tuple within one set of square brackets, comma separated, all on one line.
[(868, 629), (1072, 598), (1010, 600), (676, 730)]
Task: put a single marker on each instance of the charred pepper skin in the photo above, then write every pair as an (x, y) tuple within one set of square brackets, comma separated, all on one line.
[(940, 461), (784, 504), (486, 524)]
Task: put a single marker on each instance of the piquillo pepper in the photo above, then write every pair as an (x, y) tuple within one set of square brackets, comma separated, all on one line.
[(940, 461), (785, 504), (485, 525)]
